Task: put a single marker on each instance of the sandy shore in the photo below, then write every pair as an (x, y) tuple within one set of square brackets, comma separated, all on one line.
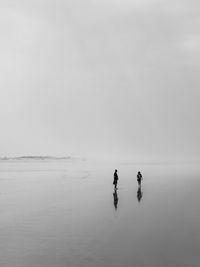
[(58, 214)]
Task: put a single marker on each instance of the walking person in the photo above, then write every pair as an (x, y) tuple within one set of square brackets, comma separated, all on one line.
[(115, 179), (139, 178)]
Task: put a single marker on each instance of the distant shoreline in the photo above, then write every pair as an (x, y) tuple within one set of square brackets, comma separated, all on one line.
[(34, 158)]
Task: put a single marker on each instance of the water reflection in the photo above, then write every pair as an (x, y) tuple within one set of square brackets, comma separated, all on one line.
[(139, 193), (115, 199)]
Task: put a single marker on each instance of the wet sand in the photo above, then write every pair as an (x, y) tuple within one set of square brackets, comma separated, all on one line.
[(65, 213)]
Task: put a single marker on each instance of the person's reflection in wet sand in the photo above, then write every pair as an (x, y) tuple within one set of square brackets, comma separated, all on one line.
[(139, 194), (115, 199)]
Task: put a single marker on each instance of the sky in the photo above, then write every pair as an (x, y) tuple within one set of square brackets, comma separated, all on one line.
[(113, 78)]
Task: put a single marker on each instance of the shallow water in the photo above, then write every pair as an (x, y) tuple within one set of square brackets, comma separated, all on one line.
[(64, 213)]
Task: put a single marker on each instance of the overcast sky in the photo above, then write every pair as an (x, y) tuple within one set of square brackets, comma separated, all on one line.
[(100, 77)]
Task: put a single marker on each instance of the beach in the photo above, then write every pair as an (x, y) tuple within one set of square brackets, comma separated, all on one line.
[(59, 213)]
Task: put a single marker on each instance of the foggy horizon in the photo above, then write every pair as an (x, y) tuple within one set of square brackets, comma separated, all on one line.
[(100, 78)]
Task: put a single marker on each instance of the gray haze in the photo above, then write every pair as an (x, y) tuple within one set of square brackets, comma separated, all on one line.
[(96, 77)]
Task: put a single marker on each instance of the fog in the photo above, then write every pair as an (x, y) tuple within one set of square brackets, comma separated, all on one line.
[(107, 78)]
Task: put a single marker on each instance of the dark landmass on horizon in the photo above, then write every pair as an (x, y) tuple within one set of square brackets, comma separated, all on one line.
[(35, 158)]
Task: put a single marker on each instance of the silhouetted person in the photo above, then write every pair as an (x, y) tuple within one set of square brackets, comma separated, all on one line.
[(139, 178), (139, 193), (115, 179), (115, 199)]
